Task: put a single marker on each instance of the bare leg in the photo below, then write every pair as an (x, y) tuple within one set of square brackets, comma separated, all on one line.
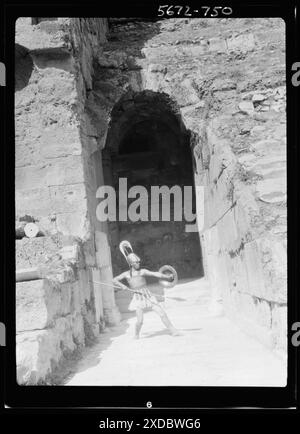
[(139, 322), (164, 317)]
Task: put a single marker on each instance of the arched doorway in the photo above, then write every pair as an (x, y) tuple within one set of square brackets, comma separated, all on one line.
[(148, 145)]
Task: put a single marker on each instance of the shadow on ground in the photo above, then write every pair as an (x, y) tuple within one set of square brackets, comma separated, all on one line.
[(166, 332)]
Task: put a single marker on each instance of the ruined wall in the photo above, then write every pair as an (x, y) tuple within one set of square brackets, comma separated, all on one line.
[(60, 313), (228, 78), (53, 74), (56, 316), (235, 74)]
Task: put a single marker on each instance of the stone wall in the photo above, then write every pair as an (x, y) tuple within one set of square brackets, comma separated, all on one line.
[(56, 181), (53, 74), (56, 315)]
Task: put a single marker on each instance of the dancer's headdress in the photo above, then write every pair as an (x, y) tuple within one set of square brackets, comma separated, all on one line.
[(127, 252)]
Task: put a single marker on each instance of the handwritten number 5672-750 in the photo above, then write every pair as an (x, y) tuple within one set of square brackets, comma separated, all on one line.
[(171, 10)]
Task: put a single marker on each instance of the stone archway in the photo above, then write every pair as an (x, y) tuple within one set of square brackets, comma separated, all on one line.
[(148, 145)]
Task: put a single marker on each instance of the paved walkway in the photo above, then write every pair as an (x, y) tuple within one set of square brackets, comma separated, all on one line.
[(212, 351)]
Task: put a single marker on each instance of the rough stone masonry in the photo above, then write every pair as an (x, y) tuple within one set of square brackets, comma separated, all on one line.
[(79, 83)]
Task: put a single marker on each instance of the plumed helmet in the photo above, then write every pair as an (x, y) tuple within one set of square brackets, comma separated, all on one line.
[(131, 258), (127, 252)]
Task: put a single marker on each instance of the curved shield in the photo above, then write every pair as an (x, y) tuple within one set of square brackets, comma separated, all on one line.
[(168, 270)]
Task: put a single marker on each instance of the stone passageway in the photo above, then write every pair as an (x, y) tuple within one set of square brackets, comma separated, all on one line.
[(177, 103), (212, 351)]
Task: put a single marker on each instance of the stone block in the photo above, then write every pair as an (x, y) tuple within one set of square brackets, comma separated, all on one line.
[(38, 352), (65, 297), (252, 259), (247, 210), (223, 84), (76, 301), (63, 331), (242, 221), (272, 190), (271, 166), (273, 256), (34, 38), (31, 177), (67, 198), (106, 274), (246, 107), (243, 42), (215, 272), (269, 147), (85, 286), (65, 170), (219, 198), (107, 291), (56, 87), (38, 302), (27, 149), (35, 202), (194, 51), (258, 98), (257, 130), (217, 44), (215, 166), (211, 238), (34, 352), (89, 249), (60, 142), (239, 274), (59, 171), (97, 290), (193, 110), (70, 253), (228, 234), (73, 223), (102, 249), (78, 329), (186, 94)]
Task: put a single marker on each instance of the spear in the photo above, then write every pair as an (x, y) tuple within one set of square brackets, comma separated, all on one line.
[(129, 289)]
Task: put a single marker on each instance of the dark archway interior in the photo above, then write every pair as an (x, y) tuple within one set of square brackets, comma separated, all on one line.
[(138, 139), (148, 145)]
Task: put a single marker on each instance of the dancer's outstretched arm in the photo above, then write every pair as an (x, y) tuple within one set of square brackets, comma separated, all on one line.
[(156, 274)]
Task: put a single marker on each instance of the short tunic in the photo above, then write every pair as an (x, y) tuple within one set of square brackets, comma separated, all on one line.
[(143, 300)]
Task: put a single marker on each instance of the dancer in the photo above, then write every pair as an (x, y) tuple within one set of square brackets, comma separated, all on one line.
[(142, 297)]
